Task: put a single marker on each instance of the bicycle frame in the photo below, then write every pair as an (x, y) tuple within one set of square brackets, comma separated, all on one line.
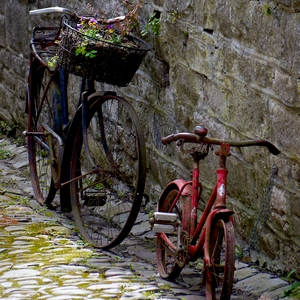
[(189, 193), (180, 237), (95, 158)]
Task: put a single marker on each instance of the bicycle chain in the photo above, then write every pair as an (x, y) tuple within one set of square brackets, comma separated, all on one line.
[(263, 213)]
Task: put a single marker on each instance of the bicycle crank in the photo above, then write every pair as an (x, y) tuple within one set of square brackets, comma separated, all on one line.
[(169, 223)]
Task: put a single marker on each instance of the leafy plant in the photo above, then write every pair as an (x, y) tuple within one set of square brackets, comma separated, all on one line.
[(24, 200), (6, 129), (267, 10), (98, 28), (174, 15), (238, 251), (153, 25), (52, 61), (131, 268), (130, 22), (291, 276), (81, 50), (293, 290), (150, 214), (4, 154)]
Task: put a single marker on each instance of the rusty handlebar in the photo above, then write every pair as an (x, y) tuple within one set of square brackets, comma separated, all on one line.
[(187, 137)]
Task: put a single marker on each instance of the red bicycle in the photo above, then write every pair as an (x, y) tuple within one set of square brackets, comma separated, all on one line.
[(182, 235)]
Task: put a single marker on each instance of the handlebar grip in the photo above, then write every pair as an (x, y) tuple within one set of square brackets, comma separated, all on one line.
[(245, 143), (249, 143), (50, 10), (272, 148)]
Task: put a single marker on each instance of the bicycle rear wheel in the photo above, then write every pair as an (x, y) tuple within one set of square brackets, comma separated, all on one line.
[(107, 181), (43, 102), (170, 261), (219, 273)]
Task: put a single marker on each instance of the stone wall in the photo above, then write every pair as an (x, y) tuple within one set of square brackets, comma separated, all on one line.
[(230, 65)]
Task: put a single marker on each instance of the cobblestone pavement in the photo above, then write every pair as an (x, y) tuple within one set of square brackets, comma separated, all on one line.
[(43, 258)]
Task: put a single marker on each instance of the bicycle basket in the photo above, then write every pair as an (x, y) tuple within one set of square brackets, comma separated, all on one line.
[(112, 64)]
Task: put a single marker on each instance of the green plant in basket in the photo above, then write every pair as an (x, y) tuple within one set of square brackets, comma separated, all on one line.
[(81, 50)]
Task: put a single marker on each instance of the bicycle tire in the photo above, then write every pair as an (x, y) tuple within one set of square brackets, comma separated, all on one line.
[(106, 199), (166, 256), (43, 96), (218, 275)]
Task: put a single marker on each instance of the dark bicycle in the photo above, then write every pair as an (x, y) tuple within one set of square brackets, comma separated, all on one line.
[(94, 159)]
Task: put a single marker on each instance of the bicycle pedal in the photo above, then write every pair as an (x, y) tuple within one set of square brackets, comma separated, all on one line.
[(162, 228), (164, 222), (165, 217)]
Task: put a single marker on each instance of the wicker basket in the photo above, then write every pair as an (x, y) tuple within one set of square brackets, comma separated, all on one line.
[(113, 64)]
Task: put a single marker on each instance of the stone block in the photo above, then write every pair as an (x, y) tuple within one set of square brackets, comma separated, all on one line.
[(253, 284), (244, 273)]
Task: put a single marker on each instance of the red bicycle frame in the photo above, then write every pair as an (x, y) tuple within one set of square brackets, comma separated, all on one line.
[(189, 193), (211, 236)]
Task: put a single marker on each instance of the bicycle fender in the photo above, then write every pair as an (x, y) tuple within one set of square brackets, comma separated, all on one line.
[(182, 184), (215, 215), (224, 214), (178, 184)]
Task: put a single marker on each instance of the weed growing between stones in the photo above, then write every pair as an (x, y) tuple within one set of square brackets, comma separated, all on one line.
[(46, 213), (294, 289), (6, 129), (36, 229), (24, 200), (4, 154)]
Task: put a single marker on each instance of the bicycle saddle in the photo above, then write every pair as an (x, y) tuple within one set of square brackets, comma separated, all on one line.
[(200, 130)]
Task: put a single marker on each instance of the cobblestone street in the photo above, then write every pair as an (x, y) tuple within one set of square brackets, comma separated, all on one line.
[(42, 257)]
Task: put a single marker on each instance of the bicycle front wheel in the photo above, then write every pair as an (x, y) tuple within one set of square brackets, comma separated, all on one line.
[(220, 271), (107, 179), (44, 96)]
